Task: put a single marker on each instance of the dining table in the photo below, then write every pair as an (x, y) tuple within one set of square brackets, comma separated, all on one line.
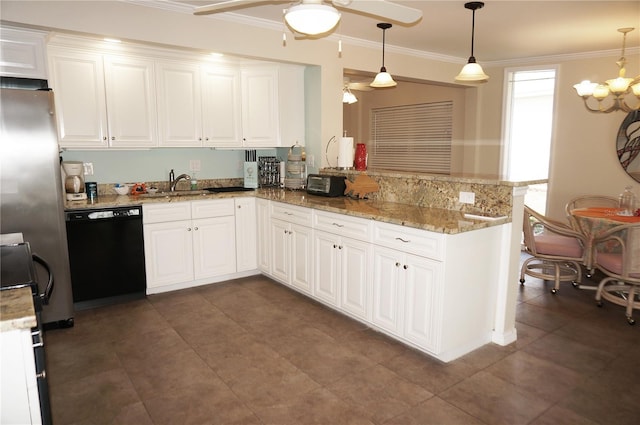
[(593, 221)]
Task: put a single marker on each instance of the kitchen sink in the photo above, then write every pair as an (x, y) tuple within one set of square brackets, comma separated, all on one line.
[(176, 193)]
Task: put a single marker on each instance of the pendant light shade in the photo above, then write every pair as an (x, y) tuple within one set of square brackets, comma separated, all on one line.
[(347, 96), (312, 17), (383, 79), (472, 72)]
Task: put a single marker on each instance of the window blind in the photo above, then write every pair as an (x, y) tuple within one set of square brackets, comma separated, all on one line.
[(412, 137)]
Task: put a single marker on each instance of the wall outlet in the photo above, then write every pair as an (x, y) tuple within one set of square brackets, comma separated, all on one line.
[(467, 197), (88, 168), (194, 165), (310, 161)]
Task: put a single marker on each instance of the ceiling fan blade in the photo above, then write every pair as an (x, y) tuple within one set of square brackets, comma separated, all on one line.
[(382, 9), (226, 6)]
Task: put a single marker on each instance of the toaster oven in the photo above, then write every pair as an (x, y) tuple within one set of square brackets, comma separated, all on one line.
[(318, 184)]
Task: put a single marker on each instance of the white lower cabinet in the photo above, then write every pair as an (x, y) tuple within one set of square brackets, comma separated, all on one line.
[(291, 245), (187, 242), (246, 228), (341, 272), (291, 254), (19, 403), (263, 218), (406, 295)]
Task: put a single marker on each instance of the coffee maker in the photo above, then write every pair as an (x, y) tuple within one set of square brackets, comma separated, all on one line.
[(74, 180)]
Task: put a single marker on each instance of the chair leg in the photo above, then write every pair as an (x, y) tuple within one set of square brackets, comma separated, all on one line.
[(630, 300)]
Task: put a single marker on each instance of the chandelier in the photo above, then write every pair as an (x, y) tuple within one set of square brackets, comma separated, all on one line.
[(614, 91)]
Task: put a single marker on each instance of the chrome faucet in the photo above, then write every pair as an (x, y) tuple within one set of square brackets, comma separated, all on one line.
[(174, 182)]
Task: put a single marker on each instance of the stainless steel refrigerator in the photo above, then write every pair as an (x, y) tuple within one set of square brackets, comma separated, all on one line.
[(31, 198)]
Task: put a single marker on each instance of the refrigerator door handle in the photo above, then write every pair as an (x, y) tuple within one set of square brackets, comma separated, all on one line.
[(46, 295)]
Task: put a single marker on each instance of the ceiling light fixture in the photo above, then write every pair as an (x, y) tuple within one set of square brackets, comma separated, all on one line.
[(311, 17), (472, 72), (347, 96), (383, 79), (618, 87)]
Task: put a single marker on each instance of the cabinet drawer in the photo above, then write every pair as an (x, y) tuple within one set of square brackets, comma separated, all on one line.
[(212, 208), (291, 213), (162, 212), (343, 225), (415, 241)]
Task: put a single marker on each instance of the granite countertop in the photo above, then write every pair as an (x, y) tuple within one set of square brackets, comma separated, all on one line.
[(432, 219), (16, 309)]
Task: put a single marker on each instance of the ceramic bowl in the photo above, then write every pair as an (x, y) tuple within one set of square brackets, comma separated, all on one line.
[(121, 189)]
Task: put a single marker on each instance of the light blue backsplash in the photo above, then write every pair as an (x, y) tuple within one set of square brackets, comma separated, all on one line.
[(114, 166)]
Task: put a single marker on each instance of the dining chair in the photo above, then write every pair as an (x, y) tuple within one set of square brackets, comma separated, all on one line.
[(617, 255), (557, 251)]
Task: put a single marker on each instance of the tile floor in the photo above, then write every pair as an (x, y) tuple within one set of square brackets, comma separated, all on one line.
[(250, 351)]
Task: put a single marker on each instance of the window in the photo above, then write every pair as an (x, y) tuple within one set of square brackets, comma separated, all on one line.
[(412, 137), (528, 128)]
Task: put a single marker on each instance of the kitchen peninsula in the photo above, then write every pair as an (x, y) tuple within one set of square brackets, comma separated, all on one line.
[(431, 272)]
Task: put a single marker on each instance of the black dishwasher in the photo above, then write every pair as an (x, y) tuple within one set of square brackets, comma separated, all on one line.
[(106, 255)]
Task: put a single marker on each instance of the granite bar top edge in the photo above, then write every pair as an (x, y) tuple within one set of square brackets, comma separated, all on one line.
[(16, 309)]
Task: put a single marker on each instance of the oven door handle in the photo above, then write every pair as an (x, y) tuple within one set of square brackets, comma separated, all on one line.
[(46, 295)]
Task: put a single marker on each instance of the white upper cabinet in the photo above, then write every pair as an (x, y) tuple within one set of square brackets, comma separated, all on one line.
[(22, 53), (273, 105), (136, 96), (179, 104), (221, 111), (103, 100), (260, 117), (198, 105)]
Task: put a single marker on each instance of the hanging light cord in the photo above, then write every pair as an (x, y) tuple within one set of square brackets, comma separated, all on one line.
[(383, 69), (473, 31)]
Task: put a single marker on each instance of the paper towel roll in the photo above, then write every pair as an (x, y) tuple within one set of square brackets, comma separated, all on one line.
[(345, 152)]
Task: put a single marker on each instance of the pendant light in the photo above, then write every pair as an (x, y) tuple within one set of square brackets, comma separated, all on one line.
[(383, 79), (472, 72)]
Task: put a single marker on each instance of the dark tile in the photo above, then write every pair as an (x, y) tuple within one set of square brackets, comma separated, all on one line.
[(495, 401), (434, 411), (378, 393), (569, 353), (209, 402), (319, 407), (157, 375), (93, 399), (541, 318), (560, 416), (543, 378), (431, 374), (526, 335), (74, 361), (375, 345)]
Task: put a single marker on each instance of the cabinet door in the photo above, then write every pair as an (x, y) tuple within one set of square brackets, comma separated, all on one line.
[(168, 253), (387, 289), (354, 276), (131, 102), (179, 104), (264, 235), (221, 110), (301, 257), (246, 234), (326, 267), (422, 284), (77, 81), (214, 243), (280, 250), (260, 117)]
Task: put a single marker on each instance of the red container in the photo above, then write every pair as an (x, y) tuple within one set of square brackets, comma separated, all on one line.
[(360, 161)]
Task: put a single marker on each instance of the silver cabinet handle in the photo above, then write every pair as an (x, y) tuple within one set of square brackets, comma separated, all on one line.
[(397, 264), (338, 225), (403, 240), (339, 246), (188, 229), (40, 342), (113, 138), (195, 228), (405, 267), (41, 375)]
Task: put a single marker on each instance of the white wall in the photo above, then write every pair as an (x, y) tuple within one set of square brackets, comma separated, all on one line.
[(583, 157)]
